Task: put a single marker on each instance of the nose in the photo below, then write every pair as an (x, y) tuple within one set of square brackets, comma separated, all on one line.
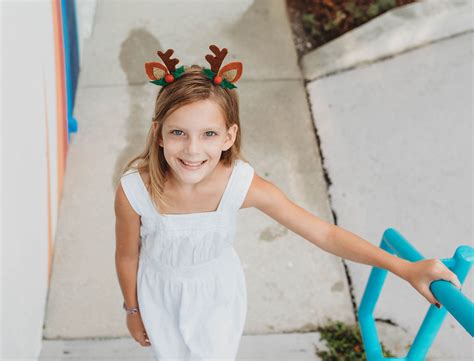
[(193, 145)]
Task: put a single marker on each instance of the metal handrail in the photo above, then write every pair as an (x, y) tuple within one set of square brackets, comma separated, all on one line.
[(451, 298)]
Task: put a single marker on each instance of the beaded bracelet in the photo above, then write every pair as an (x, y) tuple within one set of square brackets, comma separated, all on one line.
[(130, 311)]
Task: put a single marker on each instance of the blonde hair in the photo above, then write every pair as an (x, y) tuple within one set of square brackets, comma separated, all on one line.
[(192, 86)]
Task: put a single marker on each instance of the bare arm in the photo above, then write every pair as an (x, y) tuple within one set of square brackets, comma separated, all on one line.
[(268, 198), (127, 235), (348, 245)]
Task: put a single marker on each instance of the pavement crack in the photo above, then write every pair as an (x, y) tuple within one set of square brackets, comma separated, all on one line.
[(389, 321), (328, 182)]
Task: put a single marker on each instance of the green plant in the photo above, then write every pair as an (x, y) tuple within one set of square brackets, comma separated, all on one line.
[(344, 342), (310, 24), (324, 20)]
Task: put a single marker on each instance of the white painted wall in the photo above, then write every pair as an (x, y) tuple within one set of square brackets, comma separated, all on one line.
[(29, 108), (85, 12), (28, 129)]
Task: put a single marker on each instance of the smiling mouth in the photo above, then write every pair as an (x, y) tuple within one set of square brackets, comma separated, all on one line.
[(192, 165)]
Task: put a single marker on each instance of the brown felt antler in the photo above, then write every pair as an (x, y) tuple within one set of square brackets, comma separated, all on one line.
[(216, 61), (226, 76), (160, 74), (166, 57)]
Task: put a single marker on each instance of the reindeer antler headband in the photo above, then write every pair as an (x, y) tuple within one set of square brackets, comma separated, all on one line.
[(226, 76)]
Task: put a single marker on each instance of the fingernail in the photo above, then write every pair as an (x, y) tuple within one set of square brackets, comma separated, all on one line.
[(437, 305)]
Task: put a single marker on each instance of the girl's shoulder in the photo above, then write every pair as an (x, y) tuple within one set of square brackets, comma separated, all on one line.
[(134, 185), (145, 178), (134, 172)]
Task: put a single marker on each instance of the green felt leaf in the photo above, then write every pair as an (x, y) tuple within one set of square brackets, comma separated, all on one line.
[(178, 72), (227, 84), (161, 82), (209, 73)]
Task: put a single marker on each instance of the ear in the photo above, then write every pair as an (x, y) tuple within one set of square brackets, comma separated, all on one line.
[(232, 71), (155, 71), (231, 135)]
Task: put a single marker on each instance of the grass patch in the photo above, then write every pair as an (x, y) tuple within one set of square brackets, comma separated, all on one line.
[(344, 342)]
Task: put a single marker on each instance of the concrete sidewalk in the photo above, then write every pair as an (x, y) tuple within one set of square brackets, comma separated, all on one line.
[(289, 286), (392, 105), (279, 347), (293, 287)]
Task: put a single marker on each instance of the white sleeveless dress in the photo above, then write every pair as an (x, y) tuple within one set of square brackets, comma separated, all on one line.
[(191, 286)]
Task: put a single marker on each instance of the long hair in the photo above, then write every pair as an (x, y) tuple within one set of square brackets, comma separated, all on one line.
[(192, 86)]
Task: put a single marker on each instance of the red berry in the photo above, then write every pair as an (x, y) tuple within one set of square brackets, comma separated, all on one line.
[(217, 80), (169, 78)]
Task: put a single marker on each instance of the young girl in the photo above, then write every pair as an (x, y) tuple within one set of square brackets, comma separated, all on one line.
[(176, 209)]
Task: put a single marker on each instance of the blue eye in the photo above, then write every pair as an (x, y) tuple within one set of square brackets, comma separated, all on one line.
[(177, 130)]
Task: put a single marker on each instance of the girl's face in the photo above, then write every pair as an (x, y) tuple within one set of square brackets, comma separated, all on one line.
[(196, 134)]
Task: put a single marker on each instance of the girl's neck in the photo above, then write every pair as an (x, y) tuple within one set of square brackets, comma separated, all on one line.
[(206, 194)]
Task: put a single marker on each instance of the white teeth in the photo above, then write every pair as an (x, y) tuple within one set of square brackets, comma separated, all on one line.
[(192, 164)]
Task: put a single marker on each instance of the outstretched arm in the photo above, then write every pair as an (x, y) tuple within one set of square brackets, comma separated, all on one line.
[(269, 199)]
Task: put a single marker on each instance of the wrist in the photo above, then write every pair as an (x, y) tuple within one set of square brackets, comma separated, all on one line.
[(130, 310), (401, 267)]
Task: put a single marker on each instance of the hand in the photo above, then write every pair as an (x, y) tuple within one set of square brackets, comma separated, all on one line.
[(137, 330), (420, 274)]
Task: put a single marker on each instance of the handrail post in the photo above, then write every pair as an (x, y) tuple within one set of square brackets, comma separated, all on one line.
[(452, 299)]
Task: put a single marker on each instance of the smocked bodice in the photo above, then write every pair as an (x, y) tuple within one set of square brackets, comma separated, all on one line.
[(191, 238)]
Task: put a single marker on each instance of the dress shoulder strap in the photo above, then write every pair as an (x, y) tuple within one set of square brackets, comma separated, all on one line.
[(239, 186), (136, 192)]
